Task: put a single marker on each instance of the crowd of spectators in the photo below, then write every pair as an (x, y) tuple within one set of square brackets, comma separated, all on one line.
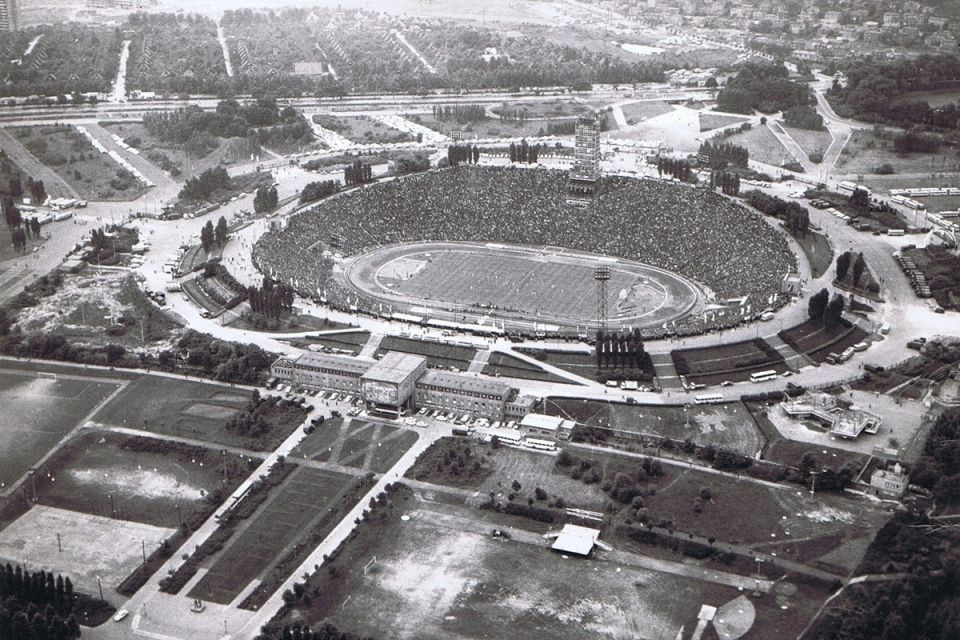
[(694, 232)]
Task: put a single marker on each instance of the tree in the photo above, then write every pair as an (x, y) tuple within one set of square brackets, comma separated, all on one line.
[(15, 188), (858, 267), (818, 304), (220, 233), (843, 265), (207, 238), (834, 312)]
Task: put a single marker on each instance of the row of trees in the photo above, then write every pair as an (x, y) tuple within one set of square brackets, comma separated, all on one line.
[(729, 183), (357, 173), (462, 154), (674, 167), (826, 310), (36, 189), (720, 154), (460, 113), (271, 299), (524, 152), (317, 190), (210, 235), (844, 262), (621, 350), (266, 199), (36, 606), (795, 216)]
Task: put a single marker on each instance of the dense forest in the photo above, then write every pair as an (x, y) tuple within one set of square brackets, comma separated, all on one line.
[(762, 87), (879, 90)]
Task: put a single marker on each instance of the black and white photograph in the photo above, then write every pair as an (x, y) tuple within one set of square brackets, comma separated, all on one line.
[(480, 320)]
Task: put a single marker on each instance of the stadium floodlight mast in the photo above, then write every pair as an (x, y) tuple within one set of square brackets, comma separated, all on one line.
[(601, 274)]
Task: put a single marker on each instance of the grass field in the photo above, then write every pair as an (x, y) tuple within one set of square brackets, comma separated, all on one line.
[(90, 547), (304, 498), (812, 339), (762, 145), (352, 341), (734, 362), (710, 121), (724, 426), (810, 141), (466, 584), (97, 473), (369, 446), (865, 152), (438, 355), (186, 409), (94, 175), (636, 111), (513, 281), (486, 128), (502, 364), (937, 204), (816, 248), (579, 363), (533, 470), (39, 412), (168, 157), (362, 129), (544, 109)]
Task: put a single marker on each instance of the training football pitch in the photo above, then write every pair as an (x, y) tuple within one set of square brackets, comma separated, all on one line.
[(39, 411), (541, 284), (299, 504)]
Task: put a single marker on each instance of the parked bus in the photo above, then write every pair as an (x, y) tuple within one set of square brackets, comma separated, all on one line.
[(709, 398), (763, 376)]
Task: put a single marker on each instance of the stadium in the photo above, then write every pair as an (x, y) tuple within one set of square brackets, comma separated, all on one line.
[(500, 247)]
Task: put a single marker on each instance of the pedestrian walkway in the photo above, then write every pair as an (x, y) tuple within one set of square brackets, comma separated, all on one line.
[(480, 359), (370, 349)]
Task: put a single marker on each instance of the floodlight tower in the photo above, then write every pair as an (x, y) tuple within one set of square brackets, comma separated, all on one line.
[(601, 274)]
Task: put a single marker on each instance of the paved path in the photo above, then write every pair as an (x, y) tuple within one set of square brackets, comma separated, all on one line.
[(480, 359), (370, 348)]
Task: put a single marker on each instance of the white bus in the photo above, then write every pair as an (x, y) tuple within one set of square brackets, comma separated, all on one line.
[(763, 376), (709, 398)]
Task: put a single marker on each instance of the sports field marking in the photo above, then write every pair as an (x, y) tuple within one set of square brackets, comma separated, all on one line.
[(88, 547)]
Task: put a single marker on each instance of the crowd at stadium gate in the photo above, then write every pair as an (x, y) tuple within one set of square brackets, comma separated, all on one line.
[(692, 231)]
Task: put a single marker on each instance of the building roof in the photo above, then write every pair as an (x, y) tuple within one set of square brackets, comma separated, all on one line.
[(334, 361), (395, 367), (541, 421), (576, 539), (464, 382)]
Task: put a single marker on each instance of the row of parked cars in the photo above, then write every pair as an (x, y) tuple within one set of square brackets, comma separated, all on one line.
[(917, 279)]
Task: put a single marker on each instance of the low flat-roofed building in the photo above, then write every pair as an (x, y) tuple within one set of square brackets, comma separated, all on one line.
[(841, 420), (388, 385), (462, 393), (518, 406), (890, 482), (538, 425), (325, 371), (576, 540)]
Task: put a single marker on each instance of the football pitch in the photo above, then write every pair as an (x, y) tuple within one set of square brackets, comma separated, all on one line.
[(299, 503), (39, 411), (540, 284)]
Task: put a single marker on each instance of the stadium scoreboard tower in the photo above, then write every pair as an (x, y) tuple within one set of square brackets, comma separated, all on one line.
[(585, 174)]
